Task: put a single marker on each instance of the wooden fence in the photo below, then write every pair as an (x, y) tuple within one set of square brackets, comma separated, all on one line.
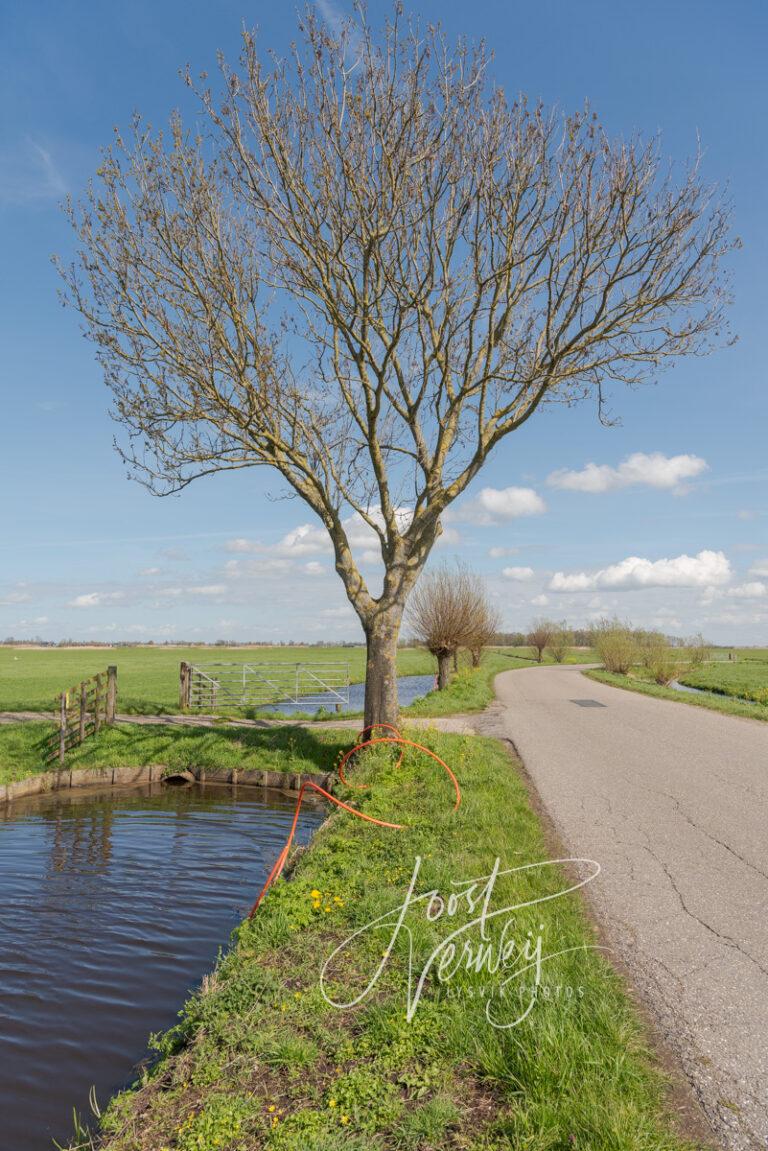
[(82, 711)]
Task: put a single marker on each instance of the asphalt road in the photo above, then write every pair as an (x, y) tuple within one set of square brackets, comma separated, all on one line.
[(672, 801)]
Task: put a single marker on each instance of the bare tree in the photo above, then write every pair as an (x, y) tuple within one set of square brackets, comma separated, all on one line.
[(696, 651), (485, 620), (442, 613), (560, 642), (365, 270), (539, 637)]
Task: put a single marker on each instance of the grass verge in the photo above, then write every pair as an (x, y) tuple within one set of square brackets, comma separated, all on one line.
[(470, 690), (261, 1059), (728, 705)]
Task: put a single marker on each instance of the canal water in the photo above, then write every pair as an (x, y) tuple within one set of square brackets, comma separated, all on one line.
[(409, 689), (113, 905)]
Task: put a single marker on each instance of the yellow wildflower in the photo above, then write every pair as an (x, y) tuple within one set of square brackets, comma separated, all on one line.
[(345, 1118), (331, 1102), (314, 893)]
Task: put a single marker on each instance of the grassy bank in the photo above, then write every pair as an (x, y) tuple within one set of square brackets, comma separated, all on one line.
[(261, 1059), (746, 678), (713, 702), (470, 689), (131, 745)]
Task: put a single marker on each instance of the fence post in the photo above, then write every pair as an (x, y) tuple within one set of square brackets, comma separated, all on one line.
[(184, 678), (111, 694), (62, 727), (97, 704), (83, 708)]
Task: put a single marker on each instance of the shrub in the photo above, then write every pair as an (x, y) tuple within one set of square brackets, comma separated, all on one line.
[(616, 646), (696, 651), (664, 667), (560, 643), (651, 646)]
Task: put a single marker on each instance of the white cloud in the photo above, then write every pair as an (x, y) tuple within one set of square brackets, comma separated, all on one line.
[(313, 539), (14, 597), (149, 571), (344, 612), (497, 505), (653, 470), (265, 565), (304, 540), (314, 568), (518, 574), (707, 569), (204, 590), (95, 598), (29, 174), (760, 568), (449, 537), (500, 553), (754, 590), (540, 600)]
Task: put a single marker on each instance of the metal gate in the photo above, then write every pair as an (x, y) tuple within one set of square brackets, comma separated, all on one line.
[(308, 685)]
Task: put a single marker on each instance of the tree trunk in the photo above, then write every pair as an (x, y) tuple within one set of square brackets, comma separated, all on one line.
[(381, 671), (477, 655), (443, 669)]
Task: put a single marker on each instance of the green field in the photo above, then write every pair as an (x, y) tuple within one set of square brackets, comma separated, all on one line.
[(527, 655), (734, 687), (746, 678), (148, 677)]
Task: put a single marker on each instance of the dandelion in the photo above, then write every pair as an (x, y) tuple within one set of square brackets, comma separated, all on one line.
[(345, 1119), (271, 1107), (331, 1102), (314, 893), (275, 1120)]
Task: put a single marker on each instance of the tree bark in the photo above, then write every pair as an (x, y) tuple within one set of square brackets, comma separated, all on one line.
[(443, 669), (381, 671)]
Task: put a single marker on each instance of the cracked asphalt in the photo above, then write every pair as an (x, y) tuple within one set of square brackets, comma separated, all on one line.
[(672, 801)]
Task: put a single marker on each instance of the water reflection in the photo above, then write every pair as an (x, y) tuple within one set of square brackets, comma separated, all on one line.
[(112, 906)]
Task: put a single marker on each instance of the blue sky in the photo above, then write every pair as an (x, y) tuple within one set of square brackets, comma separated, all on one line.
[(662, 519)]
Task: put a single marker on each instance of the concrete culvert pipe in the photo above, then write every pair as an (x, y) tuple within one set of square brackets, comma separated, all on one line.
[(179, 778)]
